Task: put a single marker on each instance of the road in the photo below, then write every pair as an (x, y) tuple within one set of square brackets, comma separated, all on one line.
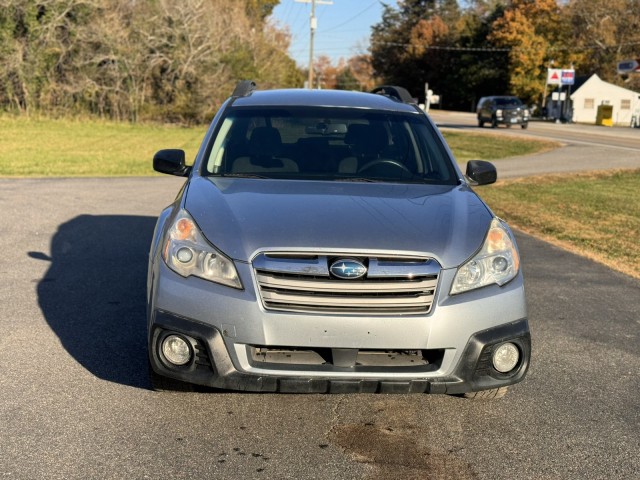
[(76, 403), (585, 147)]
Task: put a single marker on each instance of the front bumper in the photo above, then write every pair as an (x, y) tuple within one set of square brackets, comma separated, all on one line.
[(510, 119), (212, 364)]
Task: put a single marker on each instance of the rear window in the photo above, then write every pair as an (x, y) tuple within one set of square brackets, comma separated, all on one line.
[(329, 144)]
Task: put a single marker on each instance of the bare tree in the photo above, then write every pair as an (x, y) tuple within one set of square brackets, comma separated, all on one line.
[(129, 60)]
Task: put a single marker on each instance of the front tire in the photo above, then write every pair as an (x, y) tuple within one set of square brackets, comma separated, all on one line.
[(494, 123), (480, 123), (487, 394), (524, 126)]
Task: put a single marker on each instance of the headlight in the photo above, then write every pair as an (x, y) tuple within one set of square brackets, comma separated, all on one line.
[(497, 262), (187, 252), (498, 113)]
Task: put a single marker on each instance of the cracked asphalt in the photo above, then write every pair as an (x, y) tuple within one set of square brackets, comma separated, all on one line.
[(76, 403)]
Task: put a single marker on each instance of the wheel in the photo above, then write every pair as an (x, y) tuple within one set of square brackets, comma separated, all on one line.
[(160, 383), (480, 123), (487, 394), (508, 125), (494, 123), (524, 125)]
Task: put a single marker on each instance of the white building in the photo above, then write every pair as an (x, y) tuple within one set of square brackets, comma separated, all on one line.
[(594, 92)]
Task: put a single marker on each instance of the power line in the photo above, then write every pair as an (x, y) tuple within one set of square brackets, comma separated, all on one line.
[(293, 25), (350, 19), (328, 49), (443, 47), (506, 49), (287, 13)]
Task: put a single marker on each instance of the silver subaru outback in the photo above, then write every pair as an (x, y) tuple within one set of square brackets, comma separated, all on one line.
[(326, 241)]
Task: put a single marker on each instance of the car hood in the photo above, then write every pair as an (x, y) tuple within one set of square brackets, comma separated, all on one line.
[(242, 217)]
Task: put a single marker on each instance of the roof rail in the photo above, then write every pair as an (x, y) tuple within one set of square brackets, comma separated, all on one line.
[(244, 88), (397, 93)]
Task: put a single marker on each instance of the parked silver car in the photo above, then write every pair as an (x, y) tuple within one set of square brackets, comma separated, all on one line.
[(326, 241)]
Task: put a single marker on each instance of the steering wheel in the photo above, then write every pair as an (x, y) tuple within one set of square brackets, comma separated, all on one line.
[(385, 161)]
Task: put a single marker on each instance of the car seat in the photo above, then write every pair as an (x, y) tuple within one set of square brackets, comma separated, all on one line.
[(265, 149)]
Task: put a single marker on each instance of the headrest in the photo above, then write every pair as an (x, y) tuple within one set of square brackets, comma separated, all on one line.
[(265, 141), (366, 139)]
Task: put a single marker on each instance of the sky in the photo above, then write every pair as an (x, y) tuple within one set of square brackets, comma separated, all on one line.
[(343, 28)]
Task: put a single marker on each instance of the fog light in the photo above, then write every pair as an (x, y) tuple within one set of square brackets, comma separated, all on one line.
[(176, 350), (505, 357)]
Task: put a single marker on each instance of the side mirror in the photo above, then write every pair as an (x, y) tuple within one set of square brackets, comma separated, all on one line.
[(481, 172), (171, 161)]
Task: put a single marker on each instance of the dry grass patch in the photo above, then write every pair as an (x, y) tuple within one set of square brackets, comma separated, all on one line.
[(595, 214)]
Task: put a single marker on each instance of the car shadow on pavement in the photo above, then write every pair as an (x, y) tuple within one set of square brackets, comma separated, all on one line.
[(93, 294)]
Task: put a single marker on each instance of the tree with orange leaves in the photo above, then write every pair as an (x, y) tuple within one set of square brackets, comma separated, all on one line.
[(526, 27)]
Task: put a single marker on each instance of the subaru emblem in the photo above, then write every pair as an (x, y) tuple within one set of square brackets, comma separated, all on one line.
[(348, 268)]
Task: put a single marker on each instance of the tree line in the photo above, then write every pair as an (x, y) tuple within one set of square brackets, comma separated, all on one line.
[(131, 59), (177, 61), (493, 47)]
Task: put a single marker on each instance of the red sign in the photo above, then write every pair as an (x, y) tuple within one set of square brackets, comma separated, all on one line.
[(558, 76), (553, 76)]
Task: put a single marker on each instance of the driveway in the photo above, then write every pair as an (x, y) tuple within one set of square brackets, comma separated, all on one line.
[(76, 402)]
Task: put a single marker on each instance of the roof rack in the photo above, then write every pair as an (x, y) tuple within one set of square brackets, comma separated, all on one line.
[(397, 93), (244, 88)]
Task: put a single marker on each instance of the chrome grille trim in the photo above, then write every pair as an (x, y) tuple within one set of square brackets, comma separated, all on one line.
[(302, 283)]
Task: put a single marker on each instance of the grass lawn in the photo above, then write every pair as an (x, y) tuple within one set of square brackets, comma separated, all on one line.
[(487, 146), (594, 214), (45, 147)]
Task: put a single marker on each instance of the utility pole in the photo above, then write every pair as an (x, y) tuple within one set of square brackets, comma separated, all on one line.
[(313, 24), (546, 79)]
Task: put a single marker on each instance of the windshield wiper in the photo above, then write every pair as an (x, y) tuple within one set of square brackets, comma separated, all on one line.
[(242, 175), (413, 180), (358, 179)]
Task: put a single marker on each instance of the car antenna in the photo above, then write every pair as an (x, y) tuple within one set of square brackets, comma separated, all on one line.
[(244, 88)]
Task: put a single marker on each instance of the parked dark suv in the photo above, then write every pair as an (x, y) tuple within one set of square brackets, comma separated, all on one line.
[(506, 110)]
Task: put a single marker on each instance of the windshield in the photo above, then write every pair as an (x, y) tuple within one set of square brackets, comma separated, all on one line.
[(508, 102), (328, 144)]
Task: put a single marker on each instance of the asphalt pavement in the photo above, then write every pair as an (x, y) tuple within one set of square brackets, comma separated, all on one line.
[(76, 402), (584, 147)]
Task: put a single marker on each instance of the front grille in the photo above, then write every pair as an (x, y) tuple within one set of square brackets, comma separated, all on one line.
[(302, 283), (514, 113), (328, 360)]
